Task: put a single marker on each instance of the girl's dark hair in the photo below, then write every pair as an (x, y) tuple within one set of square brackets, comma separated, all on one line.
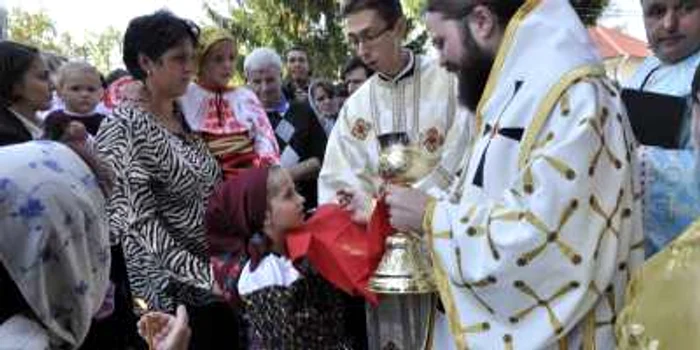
[(15, 60), (153, 35)]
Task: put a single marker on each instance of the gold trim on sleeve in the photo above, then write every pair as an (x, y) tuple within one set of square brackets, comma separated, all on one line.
[(548, 103), (428, 214)]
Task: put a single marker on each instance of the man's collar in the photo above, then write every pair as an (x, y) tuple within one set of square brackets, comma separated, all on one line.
[(688, 60), (406, 72)]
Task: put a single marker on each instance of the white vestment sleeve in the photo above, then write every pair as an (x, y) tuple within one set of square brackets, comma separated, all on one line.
[(525, 268)]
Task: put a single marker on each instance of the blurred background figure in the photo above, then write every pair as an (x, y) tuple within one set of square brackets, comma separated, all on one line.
[(298, 70), (323, 102), (299, 134), (25, 90), (355, 72)]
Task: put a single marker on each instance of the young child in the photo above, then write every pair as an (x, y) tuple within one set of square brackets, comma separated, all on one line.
[(79, 87), (231, 119), (288, 306)]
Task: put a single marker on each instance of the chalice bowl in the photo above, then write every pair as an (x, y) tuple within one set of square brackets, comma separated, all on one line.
[(404, 278)]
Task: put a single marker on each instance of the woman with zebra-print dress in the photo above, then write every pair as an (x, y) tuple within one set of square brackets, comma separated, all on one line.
[(164, 175)]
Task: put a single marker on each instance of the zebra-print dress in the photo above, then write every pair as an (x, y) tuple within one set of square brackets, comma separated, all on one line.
[(156, 209)]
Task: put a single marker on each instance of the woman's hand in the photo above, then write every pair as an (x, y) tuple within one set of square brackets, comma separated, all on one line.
[(164, 331)]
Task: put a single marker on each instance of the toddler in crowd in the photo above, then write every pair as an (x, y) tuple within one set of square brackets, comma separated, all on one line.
[(79, 87)]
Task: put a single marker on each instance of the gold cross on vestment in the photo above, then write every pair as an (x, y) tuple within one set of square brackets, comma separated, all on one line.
[(543, 303), (609, 218), (551, 237)]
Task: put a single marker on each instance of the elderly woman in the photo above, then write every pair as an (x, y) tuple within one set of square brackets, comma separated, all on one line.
[(55, 254), (164, 175), (299, 134)]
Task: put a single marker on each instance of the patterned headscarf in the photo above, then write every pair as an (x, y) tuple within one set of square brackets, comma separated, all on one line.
[(207, 39), (234, 219), (54, 241), (237, 211)]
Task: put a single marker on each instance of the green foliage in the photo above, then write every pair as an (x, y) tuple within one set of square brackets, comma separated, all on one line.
[(280, 24), (313, 24), (35, 29), (39, 30)]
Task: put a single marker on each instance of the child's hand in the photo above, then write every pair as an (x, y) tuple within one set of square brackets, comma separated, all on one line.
[(357, 203), (164, 331)]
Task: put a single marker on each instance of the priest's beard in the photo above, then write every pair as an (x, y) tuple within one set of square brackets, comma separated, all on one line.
[(474, 72)]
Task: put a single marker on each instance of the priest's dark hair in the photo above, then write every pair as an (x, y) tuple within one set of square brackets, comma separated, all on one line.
[(389, 10), (459, 9), (152, 35)]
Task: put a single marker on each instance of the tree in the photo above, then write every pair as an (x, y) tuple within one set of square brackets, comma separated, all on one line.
[(35, 29), (280, 24), (39, 30), (104, 48), (314, 24)]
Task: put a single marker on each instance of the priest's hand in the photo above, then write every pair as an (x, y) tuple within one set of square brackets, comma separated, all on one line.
[(406, 207), (359, 204)]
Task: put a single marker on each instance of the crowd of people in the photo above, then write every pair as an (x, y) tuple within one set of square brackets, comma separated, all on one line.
[(149, 207)]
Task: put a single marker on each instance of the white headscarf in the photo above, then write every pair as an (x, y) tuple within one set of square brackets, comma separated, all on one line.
[(54, 241), (326, 121)]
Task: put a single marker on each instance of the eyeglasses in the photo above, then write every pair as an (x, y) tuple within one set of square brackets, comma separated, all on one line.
[(365, 38)]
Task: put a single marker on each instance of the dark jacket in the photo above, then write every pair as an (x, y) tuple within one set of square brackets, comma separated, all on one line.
[(289, 89), (12, 130), (307, 141)]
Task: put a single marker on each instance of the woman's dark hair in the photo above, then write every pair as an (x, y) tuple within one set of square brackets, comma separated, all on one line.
[(15, 60), (325, 85), (389, 10), (153, 35), (115, 75)]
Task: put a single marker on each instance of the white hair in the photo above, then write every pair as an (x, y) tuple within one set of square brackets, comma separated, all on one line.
[(262, 57)]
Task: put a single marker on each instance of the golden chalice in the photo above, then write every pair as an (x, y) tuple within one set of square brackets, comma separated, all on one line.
[(404, 278)]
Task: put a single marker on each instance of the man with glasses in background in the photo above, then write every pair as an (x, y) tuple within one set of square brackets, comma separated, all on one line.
[(410, 93)]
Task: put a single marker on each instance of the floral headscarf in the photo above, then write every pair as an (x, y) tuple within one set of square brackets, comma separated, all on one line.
[(54, 243)]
